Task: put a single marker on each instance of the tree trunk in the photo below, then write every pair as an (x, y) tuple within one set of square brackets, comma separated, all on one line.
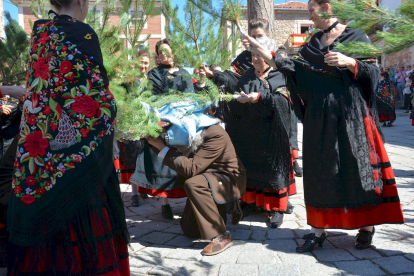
[(262, 9)]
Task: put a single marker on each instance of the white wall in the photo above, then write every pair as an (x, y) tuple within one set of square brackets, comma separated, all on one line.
[(391, 4)]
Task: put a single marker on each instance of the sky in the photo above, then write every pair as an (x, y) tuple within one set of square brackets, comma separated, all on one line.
[(8, 6)]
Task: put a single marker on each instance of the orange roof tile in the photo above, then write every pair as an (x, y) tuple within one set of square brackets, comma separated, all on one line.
[(292, 5)]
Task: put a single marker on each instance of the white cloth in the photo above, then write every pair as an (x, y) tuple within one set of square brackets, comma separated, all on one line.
[(163, 152)]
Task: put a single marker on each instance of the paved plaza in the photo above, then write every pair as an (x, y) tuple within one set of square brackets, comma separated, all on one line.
[(158, 246)]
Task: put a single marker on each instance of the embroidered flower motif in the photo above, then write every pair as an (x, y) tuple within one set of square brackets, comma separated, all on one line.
[(44, 37), (41, 69), (27, 199), (65, 67), (85, 105), (30, 180), (88, 36), (35, 144)]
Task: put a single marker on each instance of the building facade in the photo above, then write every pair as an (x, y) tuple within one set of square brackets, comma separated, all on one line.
[(155, 25)]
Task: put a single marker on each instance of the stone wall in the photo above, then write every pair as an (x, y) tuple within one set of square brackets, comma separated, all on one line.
[(404, 57)]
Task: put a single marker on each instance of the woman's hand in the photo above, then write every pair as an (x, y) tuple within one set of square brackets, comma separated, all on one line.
[(208, 72), (6, 109), (253, 97), (340, 60), (156, 142)]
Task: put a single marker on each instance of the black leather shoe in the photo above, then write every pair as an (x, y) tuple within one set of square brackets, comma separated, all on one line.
[(236, 212), (310, 243), (297, 169), (289, 209), (364, 239), (167, 212), (135, 201), (276, 219)]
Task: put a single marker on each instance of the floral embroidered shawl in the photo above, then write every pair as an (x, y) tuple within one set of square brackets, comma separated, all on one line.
[(63, 167)]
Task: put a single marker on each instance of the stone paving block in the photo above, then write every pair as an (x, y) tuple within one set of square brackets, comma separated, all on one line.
[(135, 245), (288, 224), (312, 269), (280, 233), (156, 251), (333, 255), (238, 269), (143, 263), (157, 237), (167, 267), (176, 229), (259, 257), (410, 256), (365, 268), (136, 232), (181, 241), (393, 248), (395, 265), (259, 235), (259, 226), (198, 269), (156, 225), (241, 234), (279, 270), (280, 246), (261, 217), (243, 225), (186, 254), (253, 246)]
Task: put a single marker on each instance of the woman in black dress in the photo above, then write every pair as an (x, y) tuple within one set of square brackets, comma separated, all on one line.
[(262, 121), (151, 176), (348, 179), (385, 97)]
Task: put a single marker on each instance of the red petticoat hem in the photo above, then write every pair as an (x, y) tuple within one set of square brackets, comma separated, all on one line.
[(381, 214), (270, 200), (295, 154), (176, 193)]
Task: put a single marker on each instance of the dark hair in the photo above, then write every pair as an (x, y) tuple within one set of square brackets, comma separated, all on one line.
[(143, 53), (60, 3), (214, 66), (162, 41), (321, 2), (385, 75), (259, 23)]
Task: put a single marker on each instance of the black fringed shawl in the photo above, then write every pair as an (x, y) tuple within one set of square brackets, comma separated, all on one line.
[(261, 131)]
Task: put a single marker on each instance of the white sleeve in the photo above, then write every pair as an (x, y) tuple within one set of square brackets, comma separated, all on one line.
[(163, 152)]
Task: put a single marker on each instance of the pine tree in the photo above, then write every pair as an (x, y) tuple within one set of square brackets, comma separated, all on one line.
[(367, 15), (14, 53), (196, 41)]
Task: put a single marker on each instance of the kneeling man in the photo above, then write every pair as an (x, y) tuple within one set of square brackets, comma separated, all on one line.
[(212, 176)]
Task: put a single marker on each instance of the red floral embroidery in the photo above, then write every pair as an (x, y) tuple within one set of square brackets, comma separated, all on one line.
[(30, 181), (27, 199), (32, 120), (85, 105), (17, 190), (47, 110), (84, 132), (41, 69), (65, 67), (35, 144), (44, 37)]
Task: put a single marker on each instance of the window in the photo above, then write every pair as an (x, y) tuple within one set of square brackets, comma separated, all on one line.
[(138, 16)]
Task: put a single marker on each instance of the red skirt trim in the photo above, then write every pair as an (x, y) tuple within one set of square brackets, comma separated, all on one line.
[(389, 211), (112, 259), (176, 193), (126, 173), (295, 154), (270, 200)]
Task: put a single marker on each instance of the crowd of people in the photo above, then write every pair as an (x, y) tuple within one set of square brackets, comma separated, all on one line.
[(238, 157), (395, 86)]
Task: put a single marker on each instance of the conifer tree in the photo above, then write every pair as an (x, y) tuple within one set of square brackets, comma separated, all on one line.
[(14, 50), (367, 15)]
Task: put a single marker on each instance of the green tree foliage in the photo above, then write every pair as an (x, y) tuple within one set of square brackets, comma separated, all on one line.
[(195, 40), (14, 49), (365, 14)]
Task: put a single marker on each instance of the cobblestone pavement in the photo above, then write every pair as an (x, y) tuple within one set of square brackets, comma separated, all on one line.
[(158, 246)]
